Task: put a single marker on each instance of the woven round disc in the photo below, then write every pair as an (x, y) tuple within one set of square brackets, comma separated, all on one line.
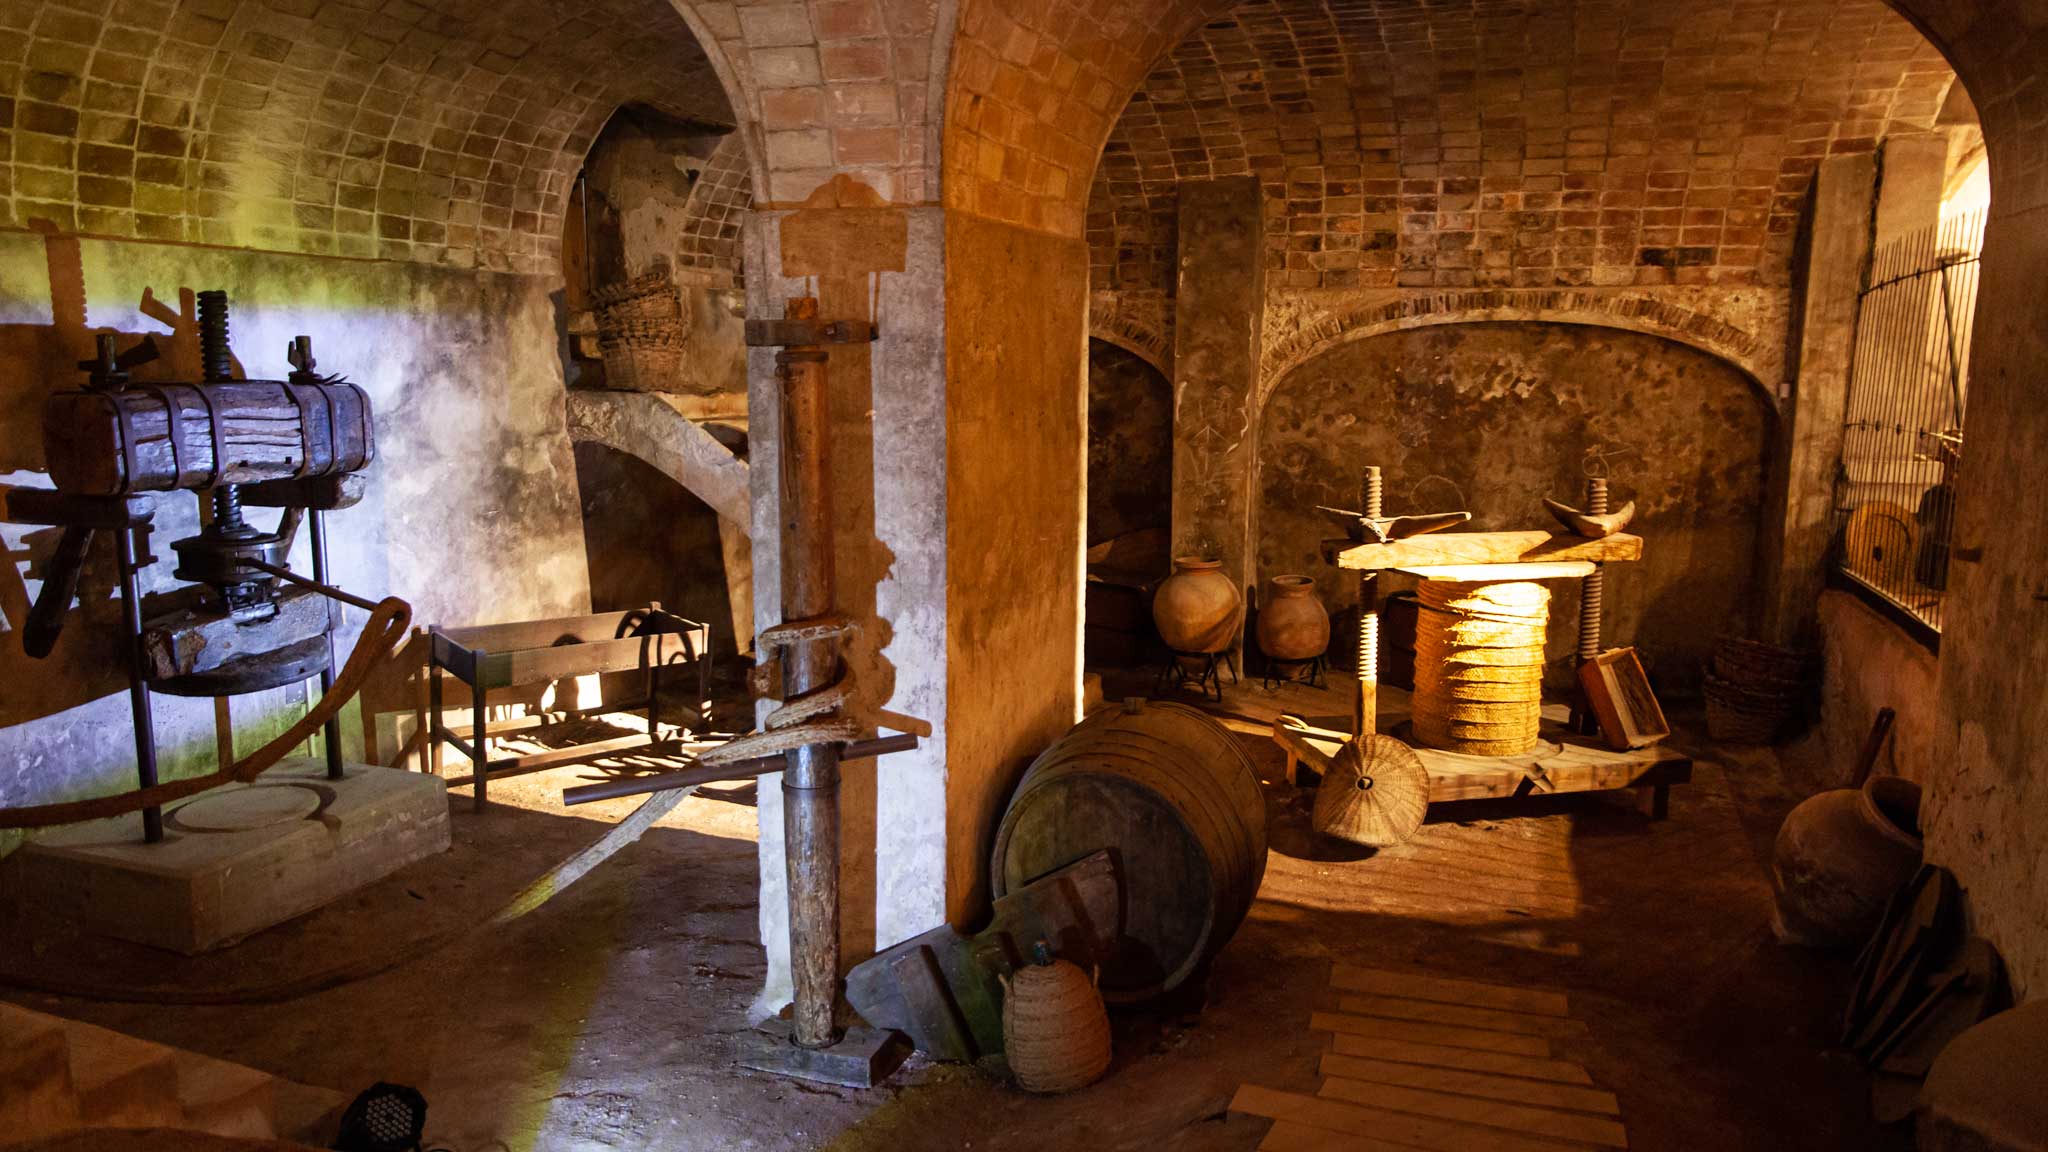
[(1374, 794), (1880, 540)]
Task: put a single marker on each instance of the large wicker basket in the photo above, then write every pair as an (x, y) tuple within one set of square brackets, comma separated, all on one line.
[(641, 327), (1754, 690)]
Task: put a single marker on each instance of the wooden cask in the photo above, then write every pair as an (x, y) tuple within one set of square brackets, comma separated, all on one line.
[(1168, 791), (116, 443)]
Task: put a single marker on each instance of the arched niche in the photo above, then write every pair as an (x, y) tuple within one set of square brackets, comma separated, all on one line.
[(1490, 417)]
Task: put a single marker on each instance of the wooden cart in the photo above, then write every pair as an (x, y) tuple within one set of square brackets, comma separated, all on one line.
[(501, 656)]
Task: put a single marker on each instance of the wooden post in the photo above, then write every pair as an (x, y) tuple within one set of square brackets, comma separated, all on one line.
[(1366, 717), (810, 780)]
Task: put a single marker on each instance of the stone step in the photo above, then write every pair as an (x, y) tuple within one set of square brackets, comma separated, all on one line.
[(36, 1096), (122, 1082), (59, 1076), (226, 1099)]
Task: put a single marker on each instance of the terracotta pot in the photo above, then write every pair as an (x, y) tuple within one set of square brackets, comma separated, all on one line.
[(1839, 858), (1197, 609), (1292, 622)]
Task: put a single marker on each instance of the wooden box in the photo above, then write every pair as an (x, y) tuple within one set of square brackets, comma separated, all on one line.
[(1620, 695)]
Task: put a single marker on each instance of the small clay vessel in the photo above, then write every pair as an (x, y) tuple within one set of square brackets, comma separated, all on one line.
[(1055, 1028), (1293, 624), (1839, 857), (1197, 609)]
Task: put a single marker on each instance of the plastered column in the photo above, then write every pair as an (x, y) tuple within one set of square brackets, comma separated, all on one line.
[(1217, 311), (1809, 449), (888, 474)]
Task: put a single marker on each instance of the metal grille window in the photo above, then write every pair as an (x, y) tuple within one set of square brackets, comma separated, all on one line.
[(1902, 434)]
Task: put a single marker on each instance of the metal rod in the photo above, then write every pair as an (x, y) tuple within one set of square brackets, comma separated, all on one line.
[(138, 689), (1592, 601), (328, 590), (318, 540), (737, 770), (810, 781)]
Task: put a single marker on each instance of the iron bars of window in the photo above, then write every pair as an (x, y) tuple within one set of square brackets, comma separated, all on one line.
[(1902, 429)]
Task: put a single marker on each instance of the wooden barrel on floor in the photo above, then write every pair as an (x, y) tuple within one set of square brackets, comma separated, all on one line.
[(1168, 791), (1479, 665)]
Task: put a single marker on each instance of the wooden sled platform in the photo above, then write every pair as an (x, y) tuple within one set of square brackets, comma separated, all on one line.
[(1561, 762)]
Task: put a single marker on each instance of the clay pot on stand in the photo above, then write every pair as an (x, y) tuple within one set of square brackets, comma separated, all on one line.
[(1197, 609), (1293, 624), (1840, 856)]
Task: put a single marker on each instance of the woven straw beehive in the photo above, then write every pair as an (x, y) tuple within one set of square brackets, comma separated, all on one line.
[(1055, 1029), (1479, 665)]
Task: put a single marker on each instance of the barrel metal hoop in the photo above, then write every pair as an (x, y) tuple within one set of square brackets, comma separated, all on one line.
[(174, 431), (298, 398)]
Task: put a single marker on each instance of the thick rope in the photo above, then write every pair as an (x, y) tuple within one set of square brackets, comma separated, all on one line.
[(807, 719), (380, 638)]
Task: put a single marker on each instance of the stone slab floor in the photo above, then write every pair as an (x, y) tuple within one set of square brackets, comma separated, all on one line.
[(608, 1018)]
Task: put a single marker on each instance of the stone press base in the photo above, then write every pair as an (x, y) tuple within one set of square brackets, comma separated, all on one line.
[(236, 859)]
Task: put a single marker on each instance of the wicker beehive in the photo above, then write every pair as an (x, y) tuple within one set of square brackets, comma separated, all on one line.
[(1055, 1029), (641, 327), (1479, 665)]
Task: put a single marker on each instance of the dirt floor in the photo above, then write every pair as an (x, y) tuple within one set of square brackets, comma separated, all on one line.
[(609, 1018)]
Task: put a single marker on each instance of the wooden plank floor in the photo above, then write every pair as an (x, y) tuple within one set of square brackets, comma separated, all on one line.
[(1423, 1062)]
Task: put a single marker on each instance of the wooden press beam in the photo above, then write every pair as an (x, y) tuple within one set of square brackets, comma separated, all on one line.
[(1455, 548)]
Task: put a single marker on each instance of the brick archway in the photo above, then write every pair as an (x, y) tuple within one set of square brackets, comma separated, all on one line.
[(1131, 336), (1631, 312)]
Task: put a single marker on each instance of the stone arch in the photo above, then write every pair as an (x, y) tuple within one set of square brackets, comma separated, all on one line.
[(1633, 312), (645, 425), (1135, 338)]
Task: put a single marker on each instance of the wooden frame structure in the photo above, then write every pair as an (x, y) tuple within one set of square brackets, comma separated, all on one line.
[(497, 656)]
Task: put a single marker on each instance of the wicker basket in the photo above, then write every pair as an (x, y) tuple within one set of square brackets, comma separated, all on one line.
[(1742, 714), (641, 328)]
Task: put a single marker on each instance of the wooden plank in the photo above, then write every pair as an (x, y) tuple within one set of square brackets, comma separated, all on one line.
[(1547, 570), (1466, 1059), (534, 665), (1445, 548), (1554, 765), (1400, 1128), (1288, 1136), (1444, 990), (1489, 1085), (1444, 1034), (1574, 1126), (1491, 1019)]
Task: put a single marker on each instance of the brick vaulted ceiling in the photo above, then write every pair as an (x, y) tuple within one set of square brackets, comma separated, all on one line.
[(443, 131), (1425, 143)]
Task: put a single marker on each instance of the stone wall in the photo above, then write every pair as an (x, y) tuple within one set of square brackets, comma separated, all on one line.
[(1492, 417), (1868, 663), (471, 512), (648, 539), (1130, 445)]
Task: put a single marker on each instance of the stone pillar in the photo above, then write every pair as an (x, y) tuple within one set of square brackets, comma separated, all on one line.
[(1217, 310), (1809, 449), (1911, 172)]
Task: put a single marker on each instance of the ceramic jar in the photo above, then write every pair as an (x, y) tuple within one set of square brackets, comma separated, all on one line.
[(1197, 609), (1293, 624), (1839, 858)]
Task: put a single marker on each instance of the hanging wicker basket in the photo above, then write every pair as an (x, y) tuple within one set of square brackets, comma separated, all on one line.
[(641, 328)]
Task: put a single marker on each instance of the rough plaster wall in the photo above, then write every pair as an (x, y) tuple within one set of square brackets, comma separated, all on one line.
[(1130, 444), (1016, 306), (648, 538), (1987, 812), (1870, 663), (470, 512), (1492, 417), (893, 536)]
